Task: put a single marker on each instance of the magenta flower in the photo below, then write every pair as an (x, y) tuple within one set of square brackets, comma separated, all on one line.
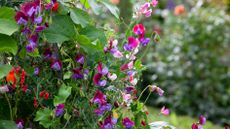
[(99, 98), (108, 123), (165, 111), (77, 73), (127, 66), (47, 53), (102, 71), (59, 110), (96, 78), (202, 120), (21, 18), (29, 8), (39, 28), (129, 89), (56, 65), (154, 3), (30, 47), (80, 59), (19, 123), (127, 123), (132, 44), (194, 126), (26, 31), (139, 29)]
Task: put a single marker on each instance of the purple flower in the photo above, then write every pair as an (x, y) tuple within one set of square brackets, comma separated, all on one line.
[(19, 123), (39, 28), (47, 53), (145, 41), (108, 122), (56, 65), (127, 47), (116, 53), (103, 108), (132, 44), (30, 47), (102, 82), (59, 110), (26, 31), (99, 98), (77, 74), (36, 71), (127, 123), (38, 20), (129, 89), (80, 58), (33, 39), (21, 18), (202, 120), (131, 73)]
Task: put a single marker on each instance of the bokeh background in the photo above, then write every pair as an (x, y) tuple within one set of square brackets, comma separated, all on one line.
[(191, 63)]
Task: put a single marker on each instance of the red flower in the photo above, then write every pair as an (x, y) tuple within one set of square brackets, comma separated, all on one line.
[(35, 103), (23, 77), (143, 123), (194, 126), (44, 94), (139, 29), (55, 7)]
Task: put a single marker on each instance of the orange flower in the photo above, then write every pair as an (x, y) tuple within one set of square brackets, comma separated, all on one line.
[(11, 77), (115, 1), (180, 9)]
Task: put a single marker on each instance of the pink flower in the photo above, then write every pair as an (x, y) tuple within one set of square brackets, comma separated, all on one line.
[(165, 111), (127, 123), (202, 120), (145, 9), (127, 66), (139, 29), (194, 126), (126, 97), (99, 98), (56, 65), (154, 3), (132, 44), (154, 88)]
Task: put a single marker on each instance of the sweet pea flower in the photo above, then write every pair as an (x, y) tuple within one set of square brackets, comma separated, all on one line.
[(202, 120), (194, 126), (126, 97), (132, 44), (77, 73), (112, 77), (56, 65), (47, 53), (39, 28), (59, 110), (108, 123), (4, 89), (127, 123), (19, 123), (99, 98), (38, 20), (154, 88), (154, 3), (80, 59), (127, 66), (36, 71), (21, 18), (144, 41), (102, 109), (165, 111), (139, 29), (145, 9), (116, 53)]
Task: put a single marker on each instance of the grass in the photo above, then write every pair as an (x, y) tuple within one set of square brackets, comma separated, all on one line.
[(180, 122)]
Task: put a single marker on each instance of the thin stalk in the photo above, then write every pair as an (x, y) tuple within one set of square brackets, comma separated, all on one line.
[(143, 92), (10, 107)]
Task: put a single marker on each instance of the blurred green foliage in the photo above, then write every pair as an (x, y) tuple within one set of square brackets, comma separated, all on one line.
[(192, 64)]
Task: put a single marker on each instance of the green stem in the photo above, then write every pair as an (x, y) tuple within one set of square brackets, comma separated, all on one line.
[(10, 107), (147, 98), (143, 92)]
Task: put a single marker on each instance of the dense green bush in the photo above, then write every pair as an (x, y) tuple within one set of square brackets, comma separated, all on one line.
[(192, 63)]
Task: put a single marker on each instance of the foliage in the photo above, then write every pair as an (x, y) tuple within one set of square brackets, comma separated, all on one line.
[(61, 70), (192, 63)]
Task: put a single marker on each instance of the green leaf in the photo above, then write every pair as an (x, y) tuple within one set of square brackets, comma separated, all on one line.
[(7, 23), (80, 17), (7, 44), (85, 3), (4, 70), (6, 124), (63, 93), (112, 8), (94, 34), (95, 6), (44, 117), (35, 53), (60, 30), (87, 45)]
